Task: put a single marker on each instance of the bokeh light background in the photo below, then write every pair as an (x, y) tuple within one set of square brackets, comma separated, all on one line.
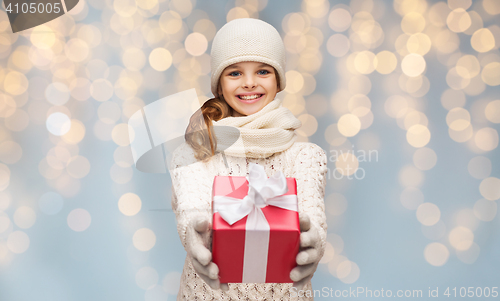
[(402, 95)]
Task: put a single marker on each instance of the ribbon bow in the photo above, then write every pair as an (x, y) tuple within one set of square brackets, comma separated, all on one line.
[(262, 191)]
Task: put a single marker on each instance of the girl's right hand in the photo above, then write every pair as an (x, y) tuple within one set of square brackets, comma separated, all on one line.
[(197, 236)]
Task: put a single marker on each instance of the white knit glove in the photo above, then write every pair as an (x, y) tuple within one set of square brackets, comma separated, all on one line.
[(197, 240), (308, 257)]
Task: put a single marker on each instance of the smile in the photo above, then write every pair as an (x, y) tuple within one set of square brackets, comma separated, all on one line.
[(250, 98)]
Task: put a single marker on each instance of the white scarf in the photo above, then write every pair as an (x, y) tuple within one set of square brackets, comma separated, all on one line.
[(269, 131)]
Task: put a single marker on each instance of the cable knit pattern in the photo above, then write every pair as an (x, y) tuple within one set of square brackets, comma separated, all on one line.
[(192, 189)]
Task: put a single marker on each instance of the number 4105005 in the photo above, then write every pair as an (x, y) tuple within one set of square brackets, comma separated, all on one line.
[(34, 8), (472, 292)]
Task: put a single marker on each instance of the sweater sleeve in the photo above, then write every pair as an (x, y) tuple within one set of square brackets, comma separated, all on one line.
[(310, 173), (190, 189)]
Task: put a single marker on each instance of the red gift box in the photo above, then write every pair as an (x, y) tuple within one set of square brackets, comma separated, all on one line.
[(240, 253)]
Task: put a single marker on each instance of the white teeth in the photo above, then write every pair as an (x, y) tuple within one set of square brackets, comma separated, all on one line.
[(250, 96)]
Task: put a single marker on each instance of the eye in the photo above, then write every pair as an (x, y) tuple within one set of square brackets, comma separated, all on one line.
[(263, 72), (234, 73)]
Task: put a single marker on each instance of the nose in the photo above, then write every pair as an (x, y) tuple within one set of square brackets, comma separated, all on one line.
[(249, 82)]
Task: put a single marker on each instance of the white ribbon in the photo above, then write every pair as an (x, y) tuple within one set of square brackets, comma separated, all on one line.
[(262, 192)]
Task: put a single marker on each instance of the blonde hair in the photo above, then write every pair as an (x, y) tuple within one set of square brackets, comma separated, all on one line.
[(199, 133)]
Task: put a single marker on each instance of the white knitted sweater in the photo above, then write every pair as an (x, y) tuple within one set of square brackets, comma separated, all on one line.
[(192, 189)]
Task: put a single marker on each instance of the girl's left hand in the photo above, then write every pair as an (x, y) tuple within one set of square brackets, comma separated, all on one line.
[(308, 257)]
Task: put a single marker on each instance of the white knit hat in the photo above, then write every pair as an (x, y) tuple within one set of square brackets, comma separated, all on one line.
[(247, 39)]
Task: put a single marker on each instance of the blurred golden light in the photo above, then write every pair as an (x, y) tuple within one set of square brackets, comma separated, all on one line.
[(485, 210), (438, 13), (17, 121), (5, 223), (464, 4), (418, 43), (43, 37), (7, 105), (339, 19), (5, 200), (20, 58), (479, 167), (466, 218), (129, 204), (436, 254), (470, 255), (410, 176), (297, 43), (170, 22), (333, 136), (316, 8), (413, 64), (15, 83), (348, 271), (491, 7), (144, 239), (490, 188), (349, 125), (446, 41), (336, 204), (125, 8), (424, 158), (482, 40), (476, 23), (413, 22), (428, 214), (79, 220), (45, 170), (237, 13), (492, 111), (109, 112), (462, 135), (101, 89), (458, 119), (434, 232), (328, 255), (334, 263), (386, 62), (76, 50), (123, 156), (461, 238), (403, 7), (78, 167), (120, 134), (295, 103), (196, 44), (296, 81), (455, 80), (486, 139), (75, 133), (58, 123), (359, 84), (411, 198), (347, 164), (359, 105), (396, 105), (309, 125), (134, 58), (475, 87), (205, 27), (468, 66), (10, 152), (126, 88), (418, 135), (338, 45), (365, 62), (296, 23), (121, 175), (24, 217), (18, 242), (310, 60), (491, 74), (458, 20)]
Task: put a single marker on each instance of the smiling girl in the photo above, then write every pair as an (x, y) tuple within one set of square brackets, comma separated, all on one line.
[(248, 70)]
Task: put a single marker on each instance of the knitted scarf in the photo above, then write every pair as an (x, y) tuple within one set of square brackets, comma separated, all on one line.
[(260, 135)]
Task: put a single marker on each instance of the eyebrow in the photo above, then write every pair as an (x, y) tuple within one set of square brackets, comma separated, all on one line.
[(238, 66)]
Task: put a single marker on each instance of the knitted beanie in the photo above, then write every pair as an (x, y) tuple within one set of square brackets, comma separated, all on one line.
[(247, 39)]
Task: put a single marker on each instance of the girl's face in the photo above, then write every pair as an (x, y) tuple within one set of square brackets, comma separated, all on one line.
[(247, 87)]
